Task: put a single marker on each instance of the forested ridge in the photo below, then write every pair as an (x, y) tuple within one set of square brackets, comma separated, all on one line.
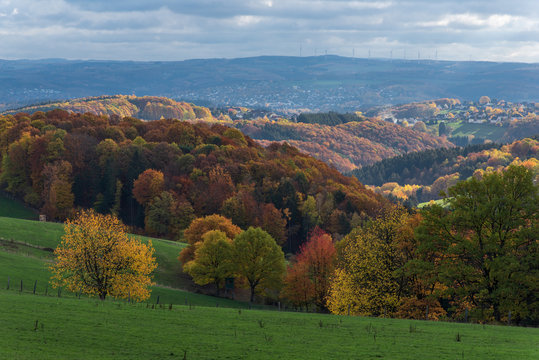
[(346, 141), (142, 107), (159, 175), (421, 168), (348, 145)]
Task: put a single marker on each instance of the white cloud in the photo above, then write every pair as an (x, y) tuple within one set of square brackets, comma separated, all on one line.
[(246, 20)]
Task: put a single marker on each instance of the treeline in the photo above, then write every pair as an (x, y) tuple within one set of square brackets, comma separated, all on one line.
[(421, 168), (160, 175), (476, 259), (447, 167), (330, 118)]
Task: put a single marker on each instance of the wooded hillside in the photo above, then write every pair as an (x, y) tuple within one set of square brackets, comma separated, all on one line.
[(57, 161)]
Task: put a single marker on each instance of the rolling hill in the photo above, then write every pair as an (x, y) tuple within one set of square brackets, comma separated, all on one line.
[(421, 176), (62, 328), (346, 146), (58, 160), (145, 107), (318, 83)]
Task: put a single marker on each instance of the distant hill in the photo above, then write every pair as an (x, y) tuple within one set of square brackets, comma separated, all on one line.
[(145, 107), (354, 142), (318, 83), (346, 146)]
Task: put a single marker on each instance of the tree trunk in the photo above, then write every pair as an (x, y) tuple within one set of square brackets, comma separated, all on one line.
[(252, 293), (102, 295), (217, 289)]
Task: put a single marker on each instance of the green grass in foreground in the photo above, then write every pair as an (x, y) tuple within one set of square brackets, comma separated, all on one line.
[(70, 328), (15, 209)]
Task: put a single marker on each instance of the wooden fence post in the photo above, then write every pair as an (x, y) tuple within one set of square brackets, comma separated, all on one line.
[(35, 285)]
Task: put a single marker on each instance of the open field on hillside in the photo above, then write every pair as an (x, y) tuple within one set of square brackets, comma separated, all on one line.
[(48, 235), (26, 249), (51, 328), (15, 209), (486, 131)]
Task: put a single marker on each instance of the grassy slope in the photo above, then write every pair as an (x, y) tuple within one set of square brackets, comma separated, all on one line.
[(487, 131), (463, 128), (27, 263), (15, 209), (90, 329)]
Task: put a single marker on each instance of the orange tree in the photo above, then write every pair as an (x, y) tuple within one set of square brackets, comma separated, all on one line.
[(308, 279), (200, 226), (97, 257)]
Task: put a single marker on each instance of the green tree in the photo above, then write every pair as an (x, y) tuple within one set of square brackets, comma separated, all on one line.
[(213, 261), (487, 238), (200, 226), (442, 129), (259, 260)]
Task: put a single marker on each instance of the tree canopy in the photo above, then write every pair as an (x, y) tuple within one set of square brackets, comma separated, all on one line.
[(259, 260), (487, 245), (97, 257)]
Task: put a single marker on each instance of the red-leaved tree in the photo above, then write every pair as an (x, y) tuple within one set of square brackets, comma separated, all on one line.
[(308, 278)]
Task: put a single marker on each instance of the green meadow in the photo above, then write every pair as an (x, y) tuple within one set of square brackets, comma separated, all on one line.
[(26, 250), (178, 324), (15, 209), (47, 327)]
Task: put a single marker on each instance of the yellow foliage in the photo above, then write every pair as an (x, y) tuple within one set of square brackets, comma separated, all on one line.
[(97, 257), (365, 280)]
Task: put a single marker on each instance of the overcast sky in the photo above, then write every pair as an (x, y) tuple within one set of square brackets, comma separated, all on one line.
[(497, 30)]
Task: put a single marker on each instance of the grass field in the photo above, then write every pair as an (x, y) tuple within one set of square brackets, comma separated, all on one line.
[(486, 131), (15, 209), (196, 326), (22, 257), (39, 327)]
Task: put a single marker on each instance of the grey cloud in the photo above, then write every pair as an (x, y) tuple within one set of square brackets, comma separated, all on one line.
[(173, 30)]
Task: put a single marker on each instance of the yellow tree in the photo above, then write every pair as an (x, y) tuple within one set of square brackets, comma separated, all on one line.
[(366, 278), (213, 261), (97, 257)]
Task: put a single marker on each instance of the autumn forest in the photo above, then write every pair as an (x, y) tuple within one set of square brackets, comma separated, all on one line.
[(348, 249)]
